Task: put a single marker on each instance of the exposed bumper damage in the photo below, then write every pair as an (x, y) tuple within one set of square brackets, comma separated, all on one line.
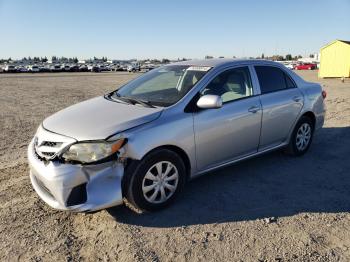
[(76, 187)]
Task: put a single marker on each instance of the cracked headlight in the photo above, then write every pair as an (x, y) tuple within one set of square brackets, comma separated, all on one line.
[(88, 152)]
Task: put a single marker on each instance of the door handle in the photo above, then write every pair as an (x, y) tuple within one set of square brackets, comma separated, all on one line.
[(297, 98), (254, 109)]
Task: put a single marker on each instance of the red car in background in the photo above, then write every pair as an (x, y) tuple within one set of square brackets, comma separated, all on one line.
[(305, 66)]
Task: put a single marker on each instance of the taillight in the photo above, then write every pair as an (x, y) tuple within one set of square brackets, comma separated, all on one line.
[(324, 94)]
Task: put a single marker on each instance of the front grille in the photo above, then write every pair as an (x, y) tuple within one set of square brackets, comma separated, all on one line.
[(51, 144), (49, 154), (44, 156), (38, 157), (46, 149), (47, 144)]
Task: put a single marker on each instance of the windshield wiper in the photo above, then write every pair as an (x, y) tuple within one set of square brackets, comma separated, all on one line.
[(139, 101), (117, 98), (132, 100)]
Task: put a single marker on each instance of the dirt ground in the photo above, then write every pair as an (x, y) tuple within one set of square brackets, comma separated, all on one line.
[(272, 208)]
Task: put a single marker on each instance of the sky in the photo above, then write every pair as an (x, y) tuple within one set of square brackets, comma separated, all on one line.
[(168, 28)]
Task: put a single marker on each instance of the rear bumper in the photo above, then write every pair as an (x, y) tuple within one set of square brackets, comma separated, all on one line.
[(320, 117), (320, 121), (76, 188)]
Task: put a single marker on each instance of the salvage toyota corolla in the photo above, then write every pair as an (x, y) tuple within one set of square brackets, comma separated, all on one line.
[(144, 141)]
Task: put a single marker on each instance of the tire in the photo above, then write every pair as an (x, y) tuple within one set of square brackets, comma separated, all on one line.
[(301, 138), (141, 186)]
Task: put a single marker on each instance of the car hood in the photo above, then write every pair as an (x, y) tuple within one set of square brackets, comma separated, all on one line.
[(99, 118)]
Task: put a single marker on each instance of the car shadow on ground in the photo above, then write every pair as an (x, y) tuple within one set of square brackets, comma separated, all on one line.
[(270, 185)]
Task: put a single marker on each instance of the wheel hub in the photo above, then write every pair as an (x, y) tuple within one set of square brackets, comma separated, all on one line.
[(160, 182), (303, 136)]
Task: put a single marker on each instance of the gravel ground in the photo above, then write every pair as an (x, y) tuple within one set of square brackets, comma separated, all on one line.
[(272, 208)]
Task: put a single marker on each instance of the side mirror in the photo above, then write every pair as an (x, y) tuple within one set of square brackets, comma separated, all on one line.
[(209, 101)]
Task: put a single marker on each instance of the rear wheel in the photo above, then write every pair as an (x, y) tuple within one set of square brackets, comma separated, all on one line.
[(156, 180), (301, 137)]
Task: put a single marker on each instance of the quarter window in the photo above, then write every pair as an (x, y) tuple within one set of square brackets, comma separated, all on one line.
[(272, 79), (231, 85), (289, 82)]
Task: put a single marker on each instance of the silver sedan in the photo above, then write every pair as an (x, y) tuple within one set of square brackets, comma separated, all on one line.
[(144, 141)]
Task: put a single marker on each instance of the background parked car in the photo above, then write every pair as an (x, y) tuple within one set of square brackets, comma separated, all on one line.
[(119, 68), (55, 68), (94, 68), (9, 68), (133, 68), (65, 68), (101, 68), (21, 69), (289, 66), (44, 68), (305, 66), (74, 68), (83, 68), (33, 68), (108, 68)]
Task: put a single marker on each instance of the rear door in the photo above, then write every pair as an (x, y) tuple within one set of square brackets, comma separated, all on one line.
[(281, 103)]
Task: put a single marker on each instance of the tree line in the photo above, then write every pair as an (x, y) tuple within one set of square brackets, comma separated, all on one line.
[(61, 59), (287, 57)]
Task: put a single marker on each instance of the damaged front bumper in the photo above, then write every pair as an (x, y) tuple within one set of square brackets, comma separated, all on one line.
[(78, 188)]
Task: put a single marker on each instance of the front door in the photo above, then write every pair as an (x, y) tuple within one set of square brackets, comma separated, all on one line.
[(232, 131)]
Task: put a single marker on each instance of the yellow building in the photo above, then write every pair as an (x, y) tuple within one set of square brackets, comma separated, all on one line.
[(335, 59)]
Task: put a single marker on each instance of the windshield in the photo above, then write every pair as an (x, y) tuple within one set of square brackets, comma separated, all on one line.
[(163, 86)]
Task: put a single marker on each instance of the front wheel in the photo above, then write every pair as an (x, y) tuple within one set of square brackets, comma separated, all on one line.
[(156, 180), (301, 138)]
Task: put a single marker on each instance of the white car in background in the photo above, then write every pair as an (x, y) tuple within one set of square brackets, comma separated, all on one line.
[(94, 68), (55, 68), (9, 68), (288, 65), (33, 68), (65, 68), (130, 68)]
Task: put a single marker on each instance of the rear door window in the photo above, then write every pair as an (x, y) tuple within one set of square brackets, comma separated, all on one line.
[(272, 79)]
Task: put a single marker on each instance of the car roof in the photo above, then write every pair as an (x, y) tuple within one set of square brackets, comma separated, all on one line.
[(223, 62), (215, 62)]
